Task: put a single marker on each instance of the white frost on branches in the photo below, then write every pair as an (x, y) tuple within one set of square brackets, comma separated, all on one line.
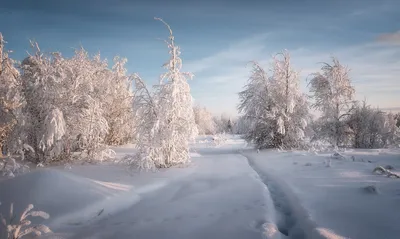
[(372, 128), (167, 117), (333, 95), (274, 106), (11, 101), (204, 121), (16, 229), (54, 126)]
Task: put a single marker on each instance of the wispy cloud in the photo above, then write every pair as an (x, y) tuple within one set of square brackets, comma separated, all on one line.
[(374, 70), (390, 38)]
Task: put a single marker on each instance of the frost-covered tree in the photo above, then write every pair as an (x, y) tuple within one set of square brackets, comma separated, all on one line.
[(255, 104), (222, 123), (145, 116), (397, 118), (204, 121), (242, 125), (290, 106), (69, 104), (333, 95), (174, 125), (11, 100), (45, 124), (274, 105), (391, 133), (118, 108)]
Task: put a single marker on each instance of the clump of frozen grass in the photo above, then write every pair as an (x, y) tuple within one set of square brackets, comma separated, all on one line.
[(308, 164), (380, 170), (9, 167), (383, 171), (18, 229)]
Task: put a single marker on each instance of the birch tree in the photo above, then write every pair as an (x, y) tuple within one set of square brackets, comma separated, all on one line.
[(174, 125), (333, 95), (290, 106), (274, 105), (118, 104)]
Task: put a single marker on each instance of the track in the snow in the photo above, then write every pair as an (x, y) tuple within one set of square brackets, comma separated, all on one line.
[(293, 221)]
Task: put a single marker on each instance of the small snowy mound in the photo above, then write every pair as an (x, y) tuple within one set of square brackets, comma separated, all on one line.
[(380, 170), (371, 189), (52, 191), (338, 155)]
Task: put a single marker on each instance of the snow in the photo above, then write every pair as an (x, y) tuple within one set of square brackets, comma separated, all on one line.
[(334, 197), (228, 191)]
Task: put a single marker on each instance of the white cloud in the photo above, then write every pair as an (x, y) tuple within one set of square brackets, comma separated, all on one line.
[(234, 55)]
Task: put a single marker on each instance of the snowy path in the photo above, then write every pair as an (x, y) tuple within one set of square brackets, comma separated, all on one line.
[(223, 198), (292, 219), (227, 192)]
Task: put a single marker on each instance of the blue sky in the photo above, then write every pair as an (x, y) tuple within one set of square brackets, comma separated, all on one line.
[(218, 38)]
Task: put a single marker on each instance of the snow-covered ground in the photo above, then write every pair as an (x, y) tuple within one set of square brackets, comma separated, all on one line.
[(228, 191), (333, 198)]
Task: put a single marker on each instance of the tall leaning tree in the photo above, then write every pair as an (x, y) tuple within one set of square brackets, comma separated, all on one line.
[(333, 96), (174, 124)]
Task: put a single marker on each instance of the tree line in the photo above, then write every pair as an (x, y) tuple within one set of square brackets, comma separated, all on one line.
[(276, 114), (55, 108)]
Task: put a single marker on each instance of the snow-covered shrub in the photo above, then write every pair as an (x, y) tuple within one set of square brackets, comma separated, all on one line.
[(9, 167), (275, 108), (333, 95), (16, 229), (74, 104), (169, 124)]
